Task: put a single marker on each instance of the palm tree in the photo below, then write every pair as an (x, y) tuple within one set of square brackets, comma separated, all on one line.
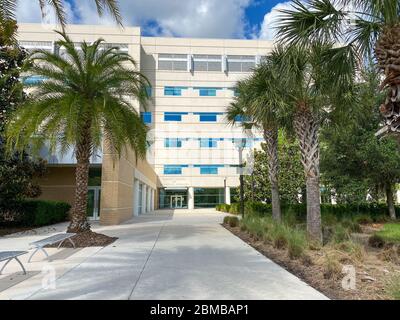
[(87, 96), (256, 102), (308, 98), (8, 10), (367, 28)]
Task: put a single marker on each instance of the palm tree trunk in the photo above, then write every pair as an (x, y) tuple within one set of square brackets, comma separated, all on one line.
[(271, 140), (390, 201), (306, 127), (79, 221)]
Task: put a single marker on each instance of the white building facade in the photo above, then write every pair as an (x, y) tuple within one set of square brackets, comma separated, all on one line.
[(193, 157)]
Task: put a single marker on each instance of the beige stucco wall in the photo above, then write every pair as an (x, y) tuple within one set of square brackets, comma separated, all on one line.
[(58, 184)]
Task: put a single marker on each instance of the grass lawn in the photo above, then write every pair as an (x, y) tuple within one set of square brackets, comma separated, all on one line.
[(390, 232)]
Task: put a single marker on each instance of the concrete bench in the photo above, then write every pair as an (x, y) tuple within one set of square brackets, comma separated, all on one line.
[(60, 237), (8, 256)]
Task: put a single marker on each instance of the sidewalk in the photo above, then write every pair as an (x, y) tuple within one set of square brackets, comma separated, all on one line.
[(164, 255)]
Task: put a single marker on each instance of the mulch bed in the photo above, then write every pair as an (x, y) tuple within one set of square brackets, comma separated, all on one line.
[(87, 239), (314, 274)]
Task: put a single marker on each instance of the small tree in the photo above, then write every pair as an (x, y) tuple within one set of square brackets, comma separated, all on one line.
[(18, 173), (256, 103), (353, 159), (290, 175)]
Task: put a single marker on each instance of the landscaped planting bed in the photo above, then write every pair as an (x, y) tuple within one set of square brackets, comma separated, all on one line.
[(324, 267)]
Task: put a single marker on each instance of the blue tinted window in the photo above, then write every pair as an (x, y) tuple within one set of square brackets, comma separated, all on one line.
[(173, 116), (245, 143), (242, 118), (173, 91), (208, 143), (208, 92), (146, 117), (174, 169), (172, 143), (208, 117), (209, 170)]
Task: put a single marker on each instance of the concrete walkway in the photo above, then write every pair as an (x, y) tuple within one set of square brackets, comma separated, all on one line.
[(164, 255)]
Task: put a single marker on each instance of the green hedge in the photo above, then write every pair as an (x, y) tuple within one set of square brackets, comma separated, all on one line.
[(373, 210), (34, 213)]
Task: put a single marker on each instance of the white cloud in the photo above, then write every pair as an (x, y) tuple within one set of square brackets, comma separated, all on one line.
[(189, 18), (268, 27), (29, 11)]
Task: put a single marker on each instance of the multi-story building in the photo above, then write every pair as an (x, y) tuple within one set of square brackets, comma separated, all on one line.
[(193, 156)]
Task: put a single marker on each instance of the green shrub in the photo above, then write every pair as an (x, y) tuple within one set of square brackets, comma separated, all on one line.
[(279, 235), (340, 233), (234, 208), (226, 219), (351, 225), (35, 213), (364, 219), (297, 243), (233, 222), (364, 212)]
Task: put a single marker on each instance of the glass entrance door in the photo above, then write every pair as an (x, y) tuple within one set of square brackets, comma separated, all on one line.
[(176, 202), (93, 205)]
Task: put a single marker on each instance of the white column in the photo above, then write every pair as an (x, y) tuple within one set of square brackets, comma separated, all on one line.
[(153, 192), (144, 202), (136, 198), (191, 198), (227, 195), (148, 207)]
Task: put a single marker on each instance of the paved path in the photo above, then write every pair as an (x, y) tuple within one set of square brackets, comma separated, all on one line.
[(165, 255)]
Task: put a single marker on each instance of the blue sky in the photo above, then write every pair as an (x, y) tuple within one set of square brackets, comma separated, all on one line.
[(181, 18)]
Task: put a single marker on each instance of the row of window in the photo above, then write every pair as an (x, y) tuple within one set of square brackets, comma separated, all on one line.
[(208, 142), (52, 47), (147, 117), (204, 169), (203, 62), (203, 91)]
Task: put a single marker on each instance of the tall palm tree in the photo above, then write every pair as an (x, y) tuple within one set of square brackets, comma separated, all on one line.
[(308, 98), (86, 96), (256, 102), (365, 28), (8, 10)]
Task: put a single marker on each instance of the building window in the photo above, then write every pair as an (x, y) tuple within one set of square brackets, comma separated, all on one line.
[(173, 91), (172, 62), (235, 92), (208, 169), (146, 117), (121, 47), (242, 119), (34, 45), (244, 143), (241, 63), (207, 198), (208, 117), (172, 143), (173, 116), (174, 169), (203, 62), (208, 143), (207, 92)]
